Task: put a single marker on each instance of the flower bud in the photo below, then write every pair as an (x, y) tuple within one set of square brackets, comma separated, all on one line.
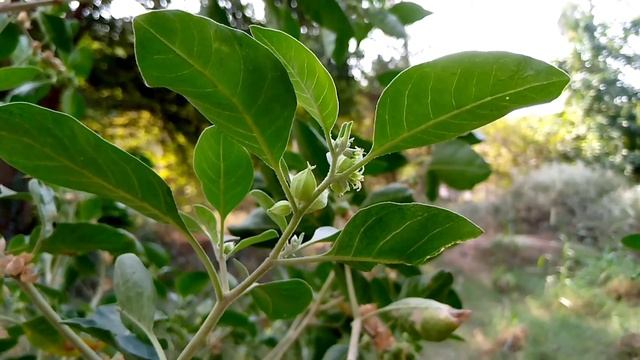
[(320, 202), (429, 320), (303, 184), (15, 266), (228, 247), (343, 141), (281, 208)]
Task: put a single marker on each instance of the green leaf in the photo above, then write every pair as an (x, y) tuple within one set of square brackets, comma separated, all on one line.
[(36, 141), (458, 165), (409, 12), (632, 241), (311, 145), (393, 192), (262, 237), (329, 15), (312, 83), (391, 233), (224, 169), (387, 22), (42, 335), (81, 238), (266, 202), (207, 220), (105, 325), (134, 289), (282, 299), (9, 38), (72, 102), (192, 283), (450, 96), (233, 80), (14, 76), (31, 91), (336, 352), (81, 61), (57, 32)]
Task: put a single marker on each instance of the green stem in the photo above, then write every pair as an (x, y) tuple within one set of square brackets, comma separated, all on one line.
[(207, 326), (356, 325), (206, 262), (43, 305), (298, 326), (284, 183), (222, 258)]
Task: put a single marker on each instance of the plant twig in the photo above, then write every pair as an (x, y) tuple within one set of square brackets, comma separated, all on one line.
[(23, 6), (43, 305), (356, 325), (301, 322), (222, 259)]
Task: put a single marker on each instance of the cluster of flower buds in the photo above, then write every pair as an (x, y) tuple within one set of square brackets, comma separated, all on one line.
[(292, 245), (347, 157), (303, 186), (17, 266)]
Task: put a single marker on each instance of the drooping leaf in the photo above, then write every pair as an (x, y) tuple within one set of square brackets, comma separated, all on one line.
[(255, 223), (240, 321), (394, 192), (9, 38), (312, 83), (266, 202), (632, 241), (134, 289), (57, 31), (72, 102), (81, 238), (262, 237), (14, 76), (409, 12), (282, 299), (450, 96), (233, 80), (36, 141), (224, 169), (387, 22), (43, 335), (391, 233), (458, 165), (105, 324), (31, 92), (280, 16), (336, 352)]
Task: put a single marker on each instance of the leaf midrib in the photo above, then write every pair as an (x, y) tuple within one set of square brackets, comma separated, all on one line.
[(248, 119), (433, 122)]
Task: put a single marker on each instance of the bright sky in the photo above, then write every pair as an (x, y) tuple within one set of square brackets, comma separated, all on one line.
[(527, 27)]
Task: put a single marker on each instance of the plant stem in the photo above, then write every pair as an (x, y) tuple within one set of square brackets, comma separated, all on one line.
[(301, 323), (206, 262), (207, 326), (222, 258), (43, 305), (150, 335), (284, 183), (356, 325)]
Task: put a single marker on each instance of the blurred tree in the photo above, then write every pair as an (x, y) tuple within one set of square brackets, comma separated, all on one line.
[(602, 63)]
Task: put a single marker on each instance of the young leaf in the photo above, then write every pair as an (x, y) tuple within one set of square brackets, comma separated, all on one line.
[(314, 87), (233, 80), (450, 96), (262, 237), (224, 169), (408, 12), (266, 202), (134, 289), (207, 220), (14, 76), (458, 165), (391, 233), (282, 299), (37, 141), (81, 238)]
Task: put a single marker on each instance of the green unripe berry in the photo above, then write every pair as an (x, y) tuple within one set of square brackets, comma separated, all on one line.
[(303, 185)]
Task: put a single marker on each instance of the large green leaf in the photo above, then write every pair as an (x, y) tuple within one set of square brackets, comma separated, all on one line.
[(450, 96), (14, 76), (458, 165), (80, 238), (408, 12), (224, 169), (392, 233), (134, 289), (58, 149), (632, 241), (233, 80), (282, 299), (314, 87)]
